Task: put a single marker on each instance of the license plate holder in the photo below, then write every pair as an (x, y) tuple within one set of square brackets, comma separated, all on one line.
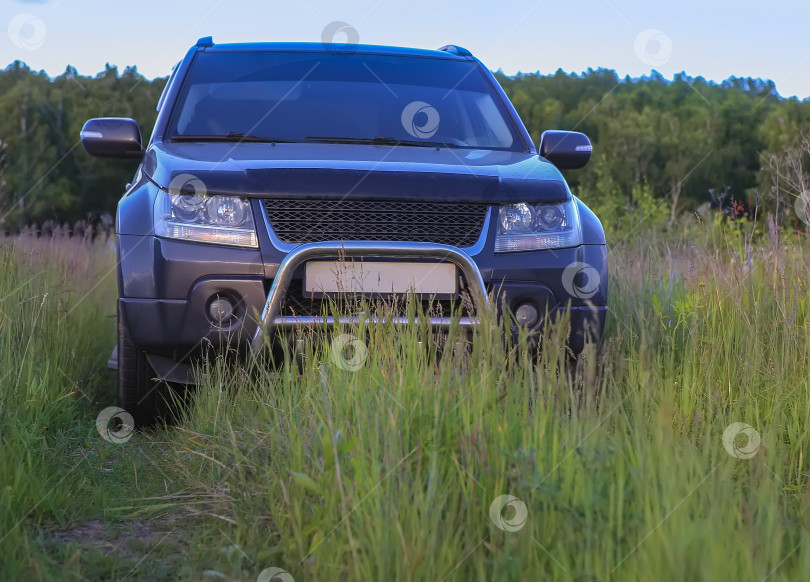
[(436, 279)]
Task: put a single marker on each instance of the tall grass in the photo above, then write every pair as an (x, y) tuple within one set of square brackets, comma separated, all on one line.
[(54, 340), (390, 472)]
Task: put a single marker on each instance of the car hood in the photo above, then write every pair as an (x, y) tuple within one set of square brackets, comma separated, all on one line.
[(356, 172)]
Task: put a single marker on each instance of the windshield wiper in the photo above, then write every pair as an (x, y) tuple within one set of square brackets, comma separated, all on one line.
[(382, 140), (233, 136)]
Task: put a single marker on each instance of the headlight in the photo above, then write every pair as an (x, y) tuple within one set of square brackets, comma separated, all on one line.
[(530, 227), (223, 220)]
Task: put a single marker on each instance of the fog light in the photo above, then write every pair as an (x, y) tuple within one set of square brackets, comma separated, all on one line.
[(220, 311), (526, 314)]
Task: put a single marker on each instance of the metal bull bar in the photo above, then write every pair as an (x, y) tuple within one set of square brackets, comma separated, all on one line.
[(271, 318)]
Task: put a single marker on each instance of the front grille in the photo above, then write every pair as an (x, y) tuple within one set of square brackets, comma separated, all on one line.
[(303, 221)]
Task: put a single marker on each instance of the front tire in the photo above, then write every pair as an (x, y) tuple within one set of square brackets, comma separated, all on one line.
[(139, 392)]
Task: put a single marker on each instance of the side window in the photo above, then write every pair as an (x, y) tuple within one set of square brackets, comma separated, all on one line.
[(166, 88), (492, 127)]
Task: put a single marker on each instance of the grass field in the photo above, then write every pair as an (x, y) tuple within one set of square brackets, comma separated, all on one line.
[(397, 471)]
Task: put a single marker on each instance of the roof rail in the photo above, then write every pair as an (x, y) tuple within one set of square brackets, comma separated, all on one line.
[(205, 41), (456, 50)]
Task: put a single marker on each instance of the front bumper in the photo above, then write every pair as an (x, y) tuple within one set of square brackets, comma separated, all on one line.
[(166, 287)]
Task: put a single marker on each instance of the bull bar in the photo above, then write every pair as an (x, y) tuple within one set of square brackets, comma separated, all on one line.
[(272, 319)]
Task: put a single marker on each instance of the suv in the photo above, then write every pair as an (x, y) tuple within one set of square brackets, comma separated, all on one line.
[(271, 164)]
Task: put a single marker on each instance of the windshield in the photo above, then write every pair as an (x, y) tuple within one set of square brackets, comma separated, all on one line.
[(339, 98)]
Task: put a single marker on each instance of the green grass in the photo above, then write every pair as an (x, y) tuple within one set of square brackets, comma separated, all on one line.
[(389, 472)]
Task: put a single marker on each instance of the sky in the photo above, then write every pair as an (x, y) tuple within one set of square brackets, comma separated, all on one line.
[(715, 39)]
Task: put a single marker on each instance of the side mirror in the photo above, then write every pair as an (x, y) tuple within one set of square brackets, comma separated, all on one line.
[(112, 137), (568, 150)]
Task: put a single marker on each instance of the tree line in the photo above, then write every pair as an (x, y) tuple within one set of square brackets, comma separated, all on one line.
[(44, 172), (669, 144)]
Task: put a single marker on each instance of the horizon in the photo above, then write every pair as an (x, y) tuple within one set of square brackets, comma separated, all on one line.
[(711, 39), (652, 76)]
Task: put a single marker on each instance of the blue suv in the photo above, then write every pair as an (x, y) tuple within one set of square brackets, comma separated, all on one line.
[(281, 177)]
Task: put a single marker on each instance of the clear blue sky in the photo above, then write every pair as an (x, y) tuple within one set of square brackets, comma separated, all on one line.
[(712, 38)]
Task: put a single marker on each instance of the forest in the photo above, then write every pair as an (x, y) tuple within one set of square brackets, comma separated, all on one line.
[(661, 147)]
